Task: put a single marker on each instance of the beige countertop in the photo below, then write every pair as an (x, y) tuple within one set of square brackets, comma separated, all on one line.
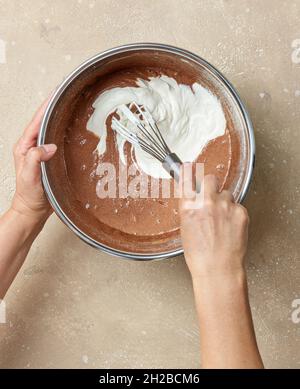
[(72, 306)]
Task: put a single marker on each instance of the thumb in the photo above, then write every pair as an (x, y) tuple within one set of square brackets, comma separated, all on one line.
[(33, 159), (48, 151), (187, 193), (186, 180)]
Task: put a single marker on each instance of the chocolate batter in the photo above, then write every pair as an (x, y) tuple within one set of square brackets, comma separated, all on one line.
[(131, 224)]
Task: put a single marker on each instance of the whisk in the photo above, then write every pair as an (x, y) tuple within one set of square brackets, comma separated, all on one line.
[(147, 136)]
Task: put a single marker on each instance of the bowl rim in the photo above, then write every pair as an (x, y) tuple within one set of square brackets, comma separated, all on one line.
[(87, 64)]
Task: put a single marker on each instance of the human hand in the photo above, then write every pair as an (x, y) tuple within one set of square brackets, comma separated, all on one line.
[(29, 199), (215, 233)]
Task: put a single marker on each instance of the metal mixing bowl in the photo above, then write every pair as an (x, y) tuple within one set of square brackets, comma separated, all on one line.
[(214, 79)]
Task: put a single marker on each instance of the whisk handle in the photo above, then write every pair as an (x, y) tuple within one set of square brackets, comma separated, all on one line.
[(172, 165)]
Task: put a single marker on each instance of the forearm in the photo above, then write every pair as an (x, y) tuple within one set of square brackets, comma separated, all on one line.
[(17, 233), (226, 329)]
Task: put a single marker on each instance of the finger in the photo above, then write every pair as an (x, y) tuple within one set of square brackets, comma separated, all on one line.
[(23, 145), (29, 137), (186, 180), (33, 127), (227, 195), (243, 212), (192, 198), (210, 186), (32, 130), (33, 159)]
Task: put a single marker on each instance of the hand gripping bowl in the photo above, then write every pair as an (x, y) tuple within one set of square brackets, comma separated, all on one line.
[(55, 125)]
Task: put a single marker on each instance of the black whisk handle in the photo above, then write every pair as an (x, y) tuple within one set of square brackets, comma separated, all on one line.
[(172, 165)]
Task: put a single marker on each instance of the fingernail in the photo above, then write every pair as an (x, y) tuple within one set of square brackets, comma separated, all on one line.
[(50, 149)]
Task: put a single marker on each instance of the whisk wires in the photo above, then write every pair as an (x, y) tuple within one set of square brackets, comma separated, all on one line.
[(146, 135)]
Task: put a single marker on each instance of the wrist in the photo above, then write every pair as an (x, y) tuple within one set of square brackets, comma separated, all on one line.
[(32, 222), (32, 215), (223, 283), (221, 295)]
